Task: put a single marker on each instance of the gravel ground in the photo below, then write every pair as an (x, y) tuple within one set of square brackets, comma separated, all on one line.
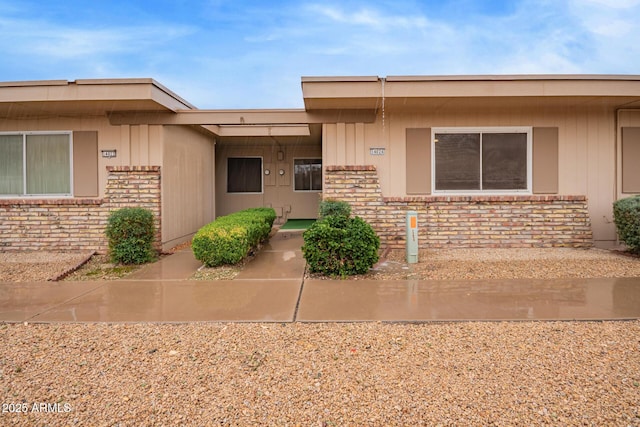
[(499, 374), (547, 263), (38, 265)]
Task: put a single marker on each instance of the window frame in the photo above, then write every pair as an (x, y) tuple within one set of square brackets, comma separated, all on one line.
[(293, 175), (24, 193), (261, 175), (528, 130)]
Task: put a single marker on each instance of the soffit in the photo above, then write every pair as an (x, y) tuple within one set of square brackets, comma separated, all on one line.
[(502, 103), (314, 137)]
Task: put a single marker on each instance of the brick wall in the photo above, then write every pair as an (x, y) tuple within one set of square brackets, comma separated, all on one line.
[(60, 224), (462, 221), (78, 224)]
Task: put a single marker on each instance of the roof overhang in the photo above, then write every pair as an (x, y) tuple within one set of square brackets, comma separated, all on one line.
[(56, 98), (322, 93)]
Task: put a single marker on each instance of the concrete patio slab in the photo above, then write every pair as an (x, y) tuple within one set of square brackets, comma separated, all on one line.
[(407, 300), (285, 240), (279, 258), (22, 301), (177, 266), (181, 301), (275, 265)]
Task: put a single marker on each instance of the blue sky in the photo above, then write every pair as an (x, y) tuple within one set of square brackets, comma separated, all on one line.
[(251, 54)]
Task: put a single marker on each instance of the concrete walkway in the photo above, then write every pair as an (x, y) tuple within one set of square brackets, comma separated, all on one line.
[(271, 288)]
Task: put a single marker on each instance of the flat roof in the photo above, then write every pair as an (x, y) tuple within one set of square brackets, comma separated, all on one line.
[(415, 92), (87, 96), (471, 77)]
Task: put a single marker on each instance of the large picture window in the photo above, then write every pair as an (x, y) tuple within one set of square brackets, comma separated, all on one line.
[(307, 174), (244, 175), (35, 164), (482, 160)]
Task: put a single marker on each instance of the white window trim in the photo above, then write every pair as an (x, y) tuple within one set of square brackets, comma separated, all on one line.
[(494, 129), (261, 175), (24, 166), (293, 175)]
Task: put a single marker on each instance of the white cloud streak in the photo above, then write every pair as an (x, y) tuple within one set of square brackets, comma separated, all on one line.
[(63, 42)]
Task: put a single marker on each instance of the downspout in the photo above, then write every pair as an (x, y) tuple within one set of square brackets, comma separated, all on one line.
[(382, 82)]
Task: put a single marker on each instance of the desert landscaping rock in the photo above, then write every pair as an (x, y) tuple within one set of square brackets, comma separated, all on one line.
[(38, 265), (515, 263), (520, 373)]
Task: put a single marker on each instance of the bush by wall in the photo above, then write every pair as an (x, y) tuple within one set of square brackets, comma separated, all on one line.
[(626, 215), (340, 246), (130, 232), (228, 239), (330, 207)]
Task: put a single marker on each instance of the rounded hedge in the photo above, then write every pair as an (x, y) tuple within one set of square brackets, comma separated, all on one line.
[(626, 215), (330, 207), (340, 246), (131, 232)]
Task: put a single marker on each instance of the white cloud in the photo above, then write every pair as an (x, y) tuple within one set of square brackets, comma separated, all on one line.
[(64, 42), (368, 17), (614, 4)]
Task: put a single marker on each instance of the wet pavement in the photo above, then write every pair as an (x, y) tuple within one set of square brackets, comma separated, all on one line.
[(450, 300), (271, 288)]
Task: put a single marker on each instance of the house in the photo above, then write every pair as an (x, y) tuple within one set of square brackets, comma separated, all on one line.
[(509, 161)]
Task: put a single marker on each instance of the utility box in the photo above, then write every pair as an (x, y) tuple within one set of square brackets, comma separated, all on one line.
[(412, 237)]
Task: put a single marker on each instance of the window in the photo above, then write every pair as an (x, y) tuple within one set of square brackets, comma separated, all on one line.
[(244, 175), (307, 174), (482, 160), (35, 164)]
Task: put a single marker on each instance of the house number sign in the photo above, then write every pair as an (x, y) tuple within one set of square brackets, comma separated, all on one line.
[(108, 153), (376, 151)]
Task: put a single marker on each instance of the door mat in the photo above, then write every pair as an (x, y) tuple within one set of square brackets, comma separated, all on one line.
[(297, 224)]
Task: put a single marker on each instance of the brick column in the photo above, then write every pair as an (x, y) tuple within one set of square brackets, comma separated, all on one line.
[(135, 186)]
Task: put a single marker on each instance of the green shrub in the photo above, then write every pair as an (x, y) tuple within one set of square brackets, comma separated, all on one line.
[(626, 215), (331, 207), (340, 246), (228, 239), (131, 232)]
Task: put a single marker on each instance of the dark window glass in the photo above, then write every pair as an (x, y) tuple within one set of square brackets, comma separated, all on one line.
[(457, 158), (504, 161), (244, 175), (480, 161), (307, 174)]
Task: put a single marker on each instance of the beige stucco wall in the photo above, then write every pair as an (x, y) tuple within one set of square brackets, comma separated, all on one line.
[(188, 200), (278, 191), (586, 158)]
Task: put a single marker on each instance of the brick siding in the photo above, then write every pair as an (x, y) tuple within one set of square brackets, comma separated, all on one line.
[(78, 224), (462, 221)]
